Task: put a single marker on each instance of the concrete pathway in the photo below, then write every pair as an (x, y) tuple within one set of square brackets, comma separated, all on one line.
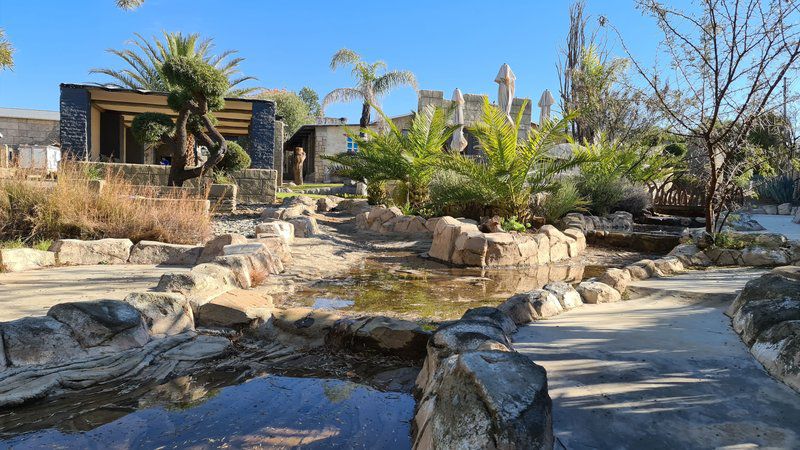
[(779, 224), (33, 292), (661, 371)]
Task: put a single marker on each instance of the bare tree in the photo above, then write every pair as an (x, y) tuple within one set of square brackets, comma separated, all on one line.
[(726, 62)]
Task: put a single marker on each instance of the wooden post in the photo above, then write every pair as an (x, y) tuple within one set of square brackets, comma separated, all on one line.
[(299, 157)]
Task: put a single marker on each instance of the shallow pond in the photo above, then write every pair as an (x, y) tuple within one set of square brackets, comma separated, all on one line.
[(431, 291), (205, 412)]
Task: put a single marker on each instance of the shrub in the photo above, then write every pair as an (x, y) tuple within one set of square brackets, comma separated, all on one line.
[(603, 192), (377, 193), (72, 208), (235, 158), (512, 224), (563, 200), (676, 149), (635, 200), (780, 189)]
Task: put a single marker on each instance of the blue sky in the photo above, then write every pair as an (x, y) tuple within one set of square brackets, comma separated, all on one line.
[(288, 44)]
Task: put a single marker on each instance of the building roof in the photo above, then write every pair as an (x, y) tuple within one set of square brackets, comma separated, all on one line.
[(36, 114)]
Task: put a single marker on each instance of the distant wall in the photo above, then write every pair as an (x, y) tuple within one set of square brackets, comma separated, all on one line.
[(17, 131), (473, 107), (254, 185)]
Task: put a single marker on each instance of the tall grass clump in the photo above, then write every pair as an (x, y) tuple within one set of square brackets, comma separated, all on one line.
[(73, 207)]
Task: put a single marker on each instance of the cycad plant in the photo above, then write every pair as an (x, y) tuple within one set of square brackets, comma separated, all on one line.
[(512, 169), (371, 84), (146, 61), (405, 156)]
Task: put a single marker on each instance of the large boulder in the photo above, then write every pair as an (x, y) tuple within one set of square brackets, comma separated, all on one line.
[(764, 256), (262, 261), (445, 234), (532, 305), (152, 252), (304, 226), (395, 337), (213, 248), (102, 251), (236, 308), (20, 259), (303, 327), (597, 292), (785, 209), (778, 349), (38, 340), (642, 269), (667, 266), (578, 236), (327, 203), (690, 255), (782, 283), (277, 246), (108, 323), (201, 284), (277, 228), (164, 313), (565, 294), (493, 316), (756, 316), (486, 399), (616, 278), (353, 206)]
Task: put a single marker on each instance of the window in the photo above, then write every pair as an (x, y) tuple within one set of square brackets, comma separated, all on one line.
[(352, 146)]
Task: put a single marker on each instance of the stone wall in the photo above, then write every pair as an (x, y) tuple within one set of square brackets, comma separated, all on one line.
[(262, 135), (473, 107), (254, 185), (17, 131)]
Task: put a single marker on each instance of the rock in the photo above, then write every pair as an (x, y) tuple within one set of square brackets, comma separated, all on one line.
[(236, 308), (486, 399), (781, 283), (328, 203), (533, 305), (769, 240), (305, 327), (213, 248), (565, 293), (493, 316), (102, 251), (353, 206), (770, 209), (381, 334), (760, 256), (304, 226), (616, 278), (778, 349), (152, 252), (597, 292), (642, 270), (724, 256), (165, 313), (690, 255), (38, 340), (277, 228), (298, 200), (667, 266), (277, 246), (262, 261), (756, 316), (578, 236), (109, 323), (796, 216), (785, 209), (444, 237), (20, 259), (201, 284)]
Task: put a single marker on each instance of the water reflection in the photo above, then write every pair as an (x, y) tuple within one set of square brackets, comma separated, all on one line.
[(437, 293), (269, 411)]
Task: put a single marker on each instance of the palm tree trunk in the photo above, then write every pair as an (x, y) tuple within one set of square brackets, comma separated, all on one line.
[(364, 123)]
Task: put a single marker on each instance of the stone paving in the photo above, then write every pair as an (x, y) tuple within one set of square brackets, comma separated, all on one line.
[(664, 370)]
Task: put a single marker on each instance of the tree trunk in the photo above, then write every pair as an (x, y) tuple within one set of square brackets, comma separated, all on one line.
[(711, 190), (364, 123)]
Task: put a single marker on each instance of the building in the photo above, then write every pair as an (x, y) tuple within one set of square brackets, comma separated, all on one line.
[(95, 124), (330, 137), (28, 126)]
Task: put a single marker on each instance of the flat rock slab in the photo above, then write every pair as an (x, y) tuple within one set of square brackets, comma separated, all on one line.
[(723, 281), (32, 293), (659, 372)]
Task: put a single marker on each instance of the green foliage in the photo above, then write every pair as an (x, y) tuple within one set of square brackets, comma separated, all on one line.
[(563, 200), (148, 128), (676, 149), (604, 192), (512, 224), (377, 194), (729, 240), (235, 158), (780, 189), (146, 60), (514, 169), (311, 99), (6, 52), (291, 107), (191, 79), (408, 158)]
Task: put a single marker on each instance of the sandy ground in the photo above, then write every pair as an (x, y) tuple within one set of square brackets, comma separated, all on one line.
[(33, 292), (664, 370)]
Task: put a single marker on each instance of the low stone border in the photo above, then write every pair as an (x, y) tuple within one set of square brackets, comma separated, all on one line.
[(761, 250), (391, 220), (784, 209), (618, 221), (463, 244), (766, 314)]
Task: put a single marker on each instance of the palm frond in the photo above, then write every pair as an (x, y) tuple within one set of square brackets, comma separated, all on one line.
[(129, 5), (342, 95), (393, 79), (344, 57)]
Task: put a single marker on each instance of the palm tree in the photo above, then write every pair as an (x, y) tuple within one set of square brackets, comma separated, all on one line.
[(144, 65), (129, 4), (406, 157), (513, 169), (369, 84), (6, 52)]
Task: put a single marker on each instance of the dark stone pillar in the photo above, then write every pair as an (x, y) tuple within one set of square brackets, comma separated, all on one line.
[(262, 135), (76, 117)]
